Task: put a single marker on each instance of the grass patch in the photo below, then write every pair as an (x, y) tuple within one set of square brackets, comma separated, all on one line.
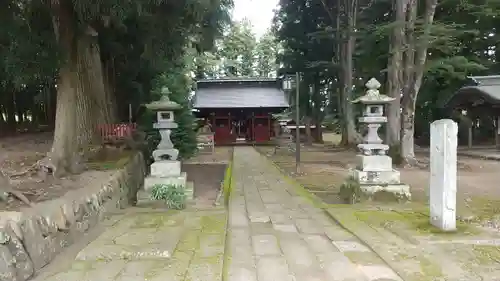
[(414, 220), (486, 254), (114, 161), (481, 208), (228, 183)]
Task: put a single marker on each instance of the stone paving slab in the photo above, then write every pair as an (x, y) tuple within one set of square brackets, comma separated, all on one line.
[(154, 246), (417, 255), (275, 234)]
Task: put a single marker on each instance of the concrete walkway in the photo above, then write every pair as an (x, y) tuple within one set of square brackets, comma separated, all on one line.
[(270, 233), (275, 234)]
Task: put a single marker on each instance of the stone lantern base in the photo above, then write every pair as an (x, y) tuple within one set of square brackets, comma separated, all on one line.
[(374, 179), (167, 172)]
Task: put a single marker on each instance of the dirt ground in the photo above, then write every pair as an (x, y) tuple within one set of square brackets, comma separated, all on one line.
[(18, 153), (206, 171), (221, 154), (324, 168)]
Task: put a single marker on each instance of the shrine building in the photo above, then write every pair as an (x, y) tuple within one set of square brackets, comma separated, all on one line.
[(240, 109)]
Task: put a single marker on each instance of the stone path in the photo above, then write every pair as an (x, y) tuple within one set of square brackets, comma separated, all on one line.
[(270, 233), (154, 246), (274, 234)]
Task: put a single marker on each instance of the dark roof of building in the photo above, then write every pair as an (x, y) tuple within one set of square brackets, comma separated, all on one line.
[(484, 89), (238, 79), (240, 93)]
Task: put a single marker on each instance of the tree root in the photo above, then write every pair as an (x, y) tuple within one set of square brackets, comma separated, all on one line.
[(44, 165), (410, 162), (17, 194), (6, 187)]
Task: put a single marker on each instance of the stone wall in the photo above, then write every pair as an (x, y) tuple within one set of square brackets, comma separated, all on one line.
[(31, 238)]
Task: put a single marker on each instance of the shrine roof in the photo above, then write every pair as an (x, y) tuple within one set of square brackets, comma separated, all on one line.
[(481, 90), (240, 93)]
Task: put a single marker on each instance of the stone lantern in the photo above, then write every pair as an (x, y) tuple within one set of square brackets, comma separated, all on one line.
[(374, 173), (166, 169)]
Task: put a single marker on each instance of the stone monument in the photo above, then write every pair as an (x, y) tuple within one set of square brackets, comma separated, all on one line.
[(374, 178), (205, 138), (166, 169), (284, 140), (443, 180)]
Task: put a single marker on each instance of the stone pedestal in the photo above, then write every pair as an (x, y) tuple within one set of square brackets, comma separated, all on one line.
[(374, 178), (167, 172), (443, 180), (377, 181)]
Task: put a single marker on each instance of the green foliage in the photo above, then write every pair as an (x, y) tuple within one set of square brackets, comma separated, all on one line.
[(174, 196), (239, 54), (145, 124), (179, 84), (266, 52), (136, 38), (462, 43), (237, 50)]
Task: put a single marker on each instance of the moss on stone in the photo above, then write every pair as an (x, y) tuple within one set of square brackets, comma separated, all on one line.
[(228, 183), (213, 224), (190, 241), (429, 269), (351, 193), (364, 258), (214, 260), (85, 265), (157, 220)]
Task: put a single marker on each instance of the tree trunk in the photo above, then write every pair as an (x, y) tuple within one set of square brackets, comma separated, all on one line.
[(92, 78), (65, 145), (408, 130), (307, 125), (10, 108), (394, 75), (341, 90), (109, 88), (352, 135), (74, 126), (415, 72)]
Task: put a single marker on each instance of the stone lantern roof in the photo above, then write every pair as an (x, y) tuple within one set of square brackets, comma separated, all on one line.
[(373, 95), (164, 103)]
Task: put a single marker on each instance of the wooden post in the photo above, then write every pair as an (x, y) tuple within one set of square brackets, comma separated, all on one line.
[(269, 126), (497, 133), (253, 126), (469, 135)]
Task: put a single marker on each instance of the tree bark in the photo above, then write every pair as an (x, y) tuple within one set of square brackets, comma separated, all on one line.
[(394, 75), (348, 43), (341, 61), (109, 88), (414, 77), (351, 12), (307, 125), (92, 82), (75, 107)]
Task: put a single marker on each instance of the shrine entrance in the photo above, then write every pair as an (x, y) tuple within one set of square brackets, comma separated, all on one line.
[(240, 110)]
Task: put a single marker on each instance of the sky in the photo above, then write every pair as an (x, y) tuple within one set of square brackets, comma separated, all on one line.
[(259, 12)]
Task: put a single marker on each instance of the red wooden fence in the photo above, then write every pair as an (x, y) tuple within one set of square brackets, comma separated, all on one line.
[(116, 131)]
